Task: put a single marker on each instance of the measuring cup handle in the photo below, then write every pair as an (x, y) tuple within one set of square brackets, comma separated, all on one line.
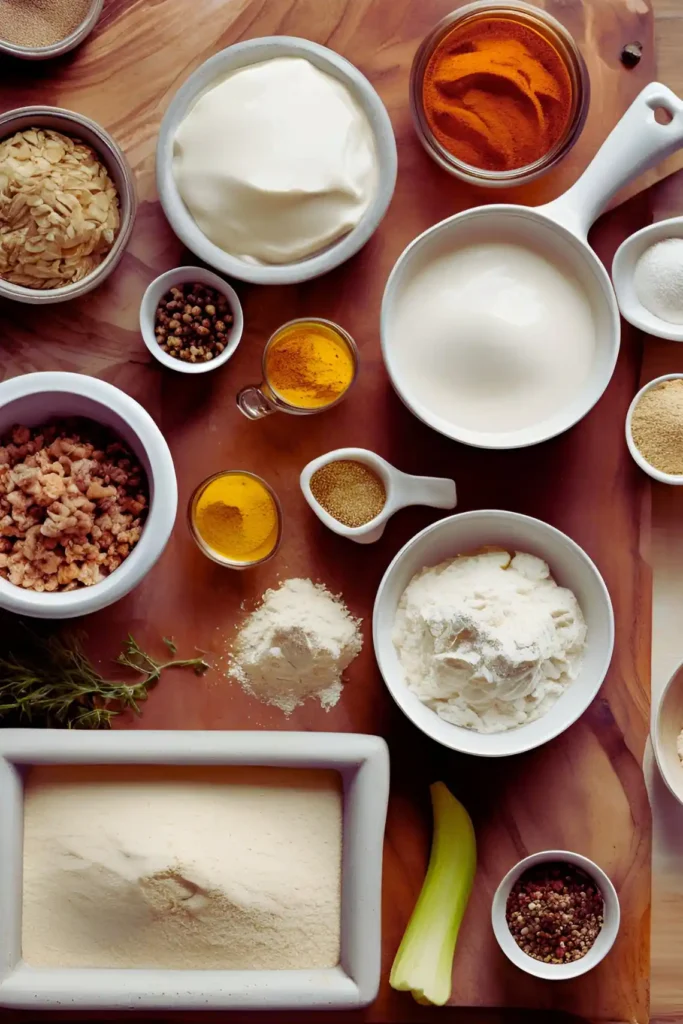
[(637, 142), (433, 491)]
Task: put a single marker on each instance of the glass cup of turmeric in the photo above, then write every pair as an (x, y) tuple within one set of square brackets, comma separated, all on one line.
[(235, 518), (308, 366)]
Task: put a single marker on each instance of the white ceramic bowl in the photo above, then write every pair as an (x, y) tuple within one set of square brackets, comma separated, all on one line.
[(150, 300), (570, 567), (38, 398), (601, 946), (656, 474), (668, 723), (623, 269), (217, 67)]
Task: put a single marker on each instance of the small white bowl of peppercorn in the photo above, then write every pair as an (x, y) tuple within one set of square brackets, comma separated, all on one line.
[(191, 320), (556, 915)]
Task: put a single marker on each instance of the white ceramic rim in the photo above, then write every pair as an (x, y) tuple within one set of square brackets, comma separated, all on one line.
[(150, 300), (160, 519), (62, 46), (240, 55), (623, 269), (594, 387), (675, 678), (94, 135), (656, 474), (513, 738), (602, 944)]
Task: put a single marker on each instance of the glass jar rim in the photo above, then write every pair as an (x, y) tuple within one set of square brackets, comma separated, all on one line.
[(570, 54)]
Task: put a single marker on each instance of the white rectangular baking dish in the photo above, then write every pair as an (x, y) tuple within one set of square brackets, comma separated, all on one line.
[(363, 763)]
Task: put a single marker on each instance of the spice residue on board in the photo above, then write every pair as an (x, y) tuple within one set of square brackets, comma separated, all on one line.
[(174, 868), (351, 492), (497, 94), (657, 427), (555, 912), (36, 23), (295, 646)]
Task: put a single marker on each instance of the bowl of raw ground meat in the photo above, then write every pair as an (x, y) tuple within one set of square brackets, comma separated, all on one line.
[(88, 494)]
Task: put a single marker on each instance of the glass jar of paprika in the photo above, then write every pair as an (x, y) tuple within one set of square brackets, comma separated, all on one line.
[(499, 92)]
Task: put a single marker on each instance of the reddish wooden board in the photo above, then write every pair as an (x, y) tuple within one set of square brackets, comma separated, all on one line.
[(585, 790)]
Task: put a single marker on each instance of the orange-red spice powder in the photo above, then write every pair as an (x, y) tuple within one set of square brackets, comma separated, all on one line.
[(497, 94)]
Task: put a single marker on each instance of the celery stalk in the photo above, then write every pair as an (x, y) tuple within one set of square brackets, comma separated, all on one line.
[(424, 962)]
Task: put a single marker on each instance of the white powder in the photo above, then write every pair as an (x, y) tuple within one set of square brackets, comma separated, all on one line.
[(489, 641), (658, 280), (296, 645), (196, 868)]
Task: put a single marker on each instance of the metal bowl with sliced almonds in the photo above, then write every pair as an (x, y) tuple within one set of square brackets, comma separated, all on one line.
[(67, 204)]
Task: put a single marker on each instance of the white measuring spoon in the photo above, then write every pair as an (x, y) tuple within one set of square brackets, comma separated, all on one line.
[(623, 269), (402, 490), (558, 230)]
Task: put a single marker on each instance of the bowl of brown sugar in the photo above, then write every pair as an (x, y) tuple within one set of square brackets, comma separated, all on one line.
[(40, 29), (654, 429)]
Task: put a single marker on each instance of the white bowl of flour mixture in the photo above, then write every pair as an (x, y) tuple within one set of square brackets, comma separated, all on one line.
[(543, 675)]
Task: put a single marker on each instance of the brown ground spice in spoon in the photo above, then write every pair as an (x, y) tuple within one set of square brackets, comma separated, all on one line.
[(657, 427)]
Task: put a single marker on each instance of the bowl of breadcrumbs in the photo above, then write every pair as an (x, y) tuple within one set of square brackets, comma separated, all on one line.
[(654, 429), (67, 205)]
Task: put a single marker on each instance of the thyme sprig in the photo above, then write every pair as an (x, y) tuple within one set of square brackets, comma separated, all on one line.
[(48, 680)]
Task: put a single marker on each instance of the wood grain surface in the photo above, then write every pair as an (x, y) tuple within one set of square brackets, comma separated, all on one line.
[(585, 791)]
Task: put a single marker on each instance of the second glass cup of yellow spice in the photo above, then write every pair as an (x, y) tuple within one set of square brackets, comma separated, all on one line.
[(236, 519), (308, 366)]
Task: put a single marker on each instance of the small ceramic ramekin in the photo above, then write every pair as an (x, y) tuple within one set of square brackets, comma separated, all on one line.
[(80, 127), (62, 46), (638, 457), (562, 41), (602, 944), (155, 292)]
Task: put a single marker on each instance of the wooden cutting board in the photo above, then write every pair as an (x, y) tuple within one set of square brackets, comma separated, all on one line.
[(584, 791)]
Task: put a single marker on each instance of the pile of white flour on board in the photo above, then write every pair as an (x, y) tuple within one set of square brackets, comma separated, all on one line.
[(179, 867), (489, 641), (296, 645)]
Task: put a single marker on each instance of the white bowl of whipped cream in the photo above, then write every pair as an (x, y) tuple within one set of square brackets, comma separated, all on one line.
[(493, 632), (276, 160)]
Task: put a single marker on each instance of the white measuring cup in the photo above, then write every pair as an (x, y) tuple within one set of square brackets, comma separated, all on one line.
[(402, 489), (558, 230)]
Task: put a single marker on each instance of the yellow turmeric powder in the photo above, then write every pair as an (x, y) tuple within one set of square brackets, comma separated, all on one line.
[(309, 365), (236, 516)]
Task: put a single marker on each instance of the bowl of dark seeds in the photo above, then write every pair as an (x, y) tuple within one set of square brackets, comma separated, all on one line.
[(191, 320), (556, 915)]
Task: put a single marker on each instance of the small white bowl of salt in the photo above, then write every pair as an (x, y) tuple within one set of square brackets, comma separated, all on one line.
[(647, 272)]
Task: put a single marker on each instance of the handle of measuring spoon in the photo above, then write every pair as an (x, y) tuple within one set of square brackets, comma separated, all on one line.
[(636, 143)]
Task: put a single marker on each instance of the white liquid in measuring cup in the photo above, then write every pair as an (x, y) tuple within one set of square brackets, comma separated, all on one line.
[(493, 336)]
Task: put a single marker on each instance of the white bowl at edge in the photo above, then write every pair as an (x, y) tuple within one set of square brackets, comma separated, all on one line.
[(37, 398), (623, 270), (217, 67), (602, 944), (570, 567), (638, 458), (158, 288), (667, 724)]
